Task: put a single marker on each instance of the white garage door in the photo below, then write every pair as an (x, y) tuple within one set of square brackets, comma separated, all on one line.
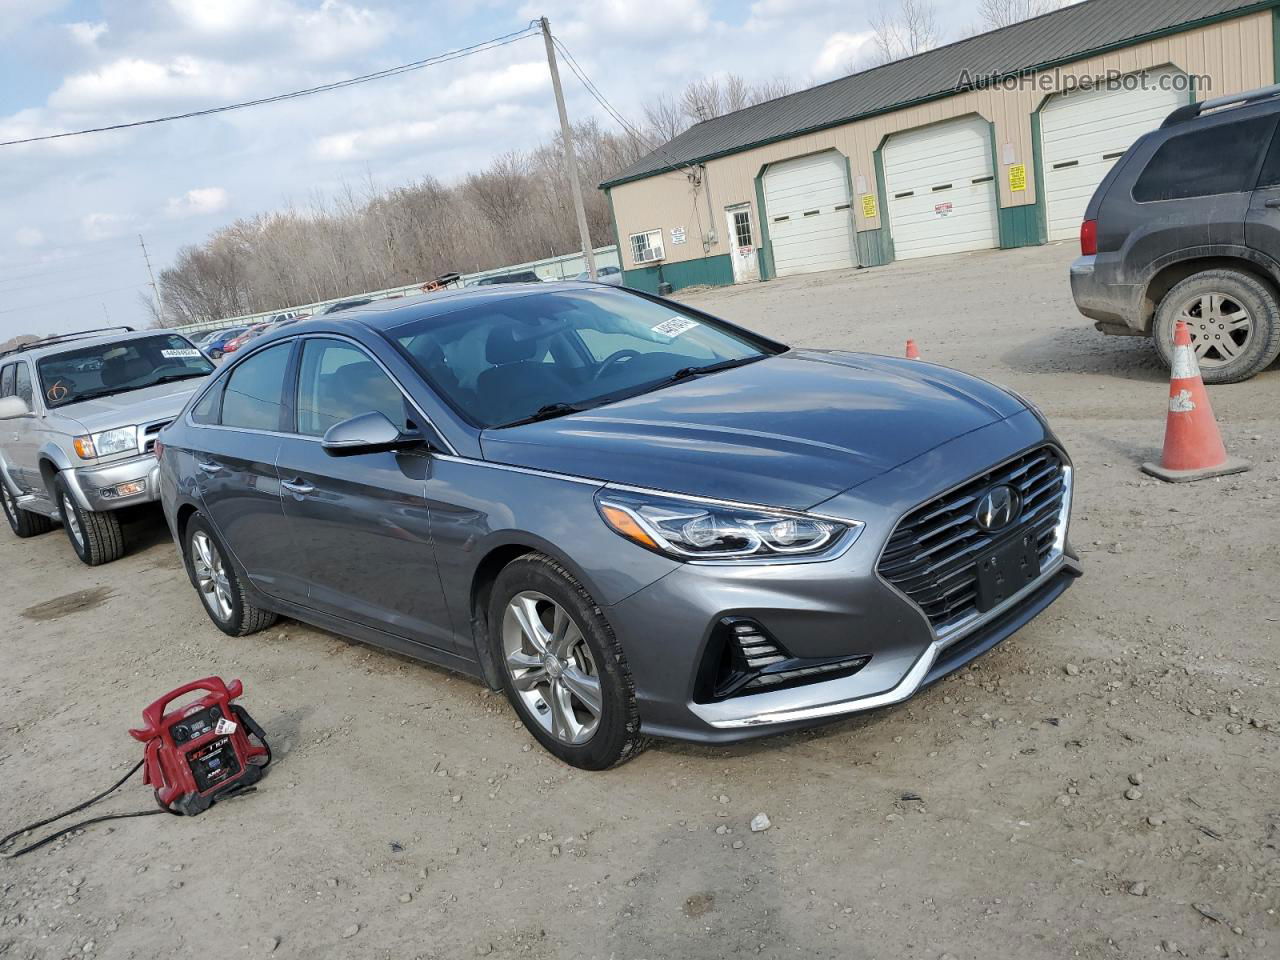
[(810, 223), (940, 183), (1084, 132)]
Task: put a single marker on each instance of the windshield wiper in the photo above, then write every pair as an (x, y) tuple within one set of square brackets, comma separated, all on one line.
[(171, 377), (548, 412), (684, 373)]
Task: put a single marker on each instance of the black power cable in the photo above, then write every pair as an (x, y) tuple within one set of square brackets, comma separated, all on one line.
[(76, 826)]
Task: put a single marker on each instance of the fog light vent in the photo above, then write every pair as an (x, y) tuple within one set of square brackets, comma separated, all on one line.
[(757, 649)]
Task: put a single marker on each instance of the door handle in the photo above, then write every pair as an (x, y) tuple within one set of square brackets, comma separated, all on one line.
[(297, 486), (1273, 203), (208, 467)]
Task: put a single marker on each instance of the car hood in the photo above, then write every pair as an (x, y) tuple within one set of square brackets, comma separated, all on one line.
[(161, 402), (789, 431)]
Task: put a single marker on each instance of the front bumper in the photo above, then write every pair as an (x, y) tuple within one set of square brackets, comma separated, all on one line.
[(97, 488), (838, 608)]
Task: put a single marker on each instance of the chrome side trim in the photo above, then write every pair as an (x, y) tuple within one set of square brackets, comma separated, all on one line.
[(476, 462)]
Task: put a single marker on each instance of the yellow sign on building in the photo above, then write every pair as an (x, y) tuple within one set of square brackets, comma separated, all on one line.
[(1018, 177), (869, 206)]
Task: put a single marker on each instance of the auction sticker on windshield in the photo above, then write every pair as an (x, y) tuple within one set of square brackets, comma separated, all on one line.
[(179, 354), (675, 326)]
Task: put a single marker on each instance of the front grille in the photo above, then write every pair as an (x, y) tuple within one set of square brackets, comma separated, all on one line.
[(932, 555), (149, 434)]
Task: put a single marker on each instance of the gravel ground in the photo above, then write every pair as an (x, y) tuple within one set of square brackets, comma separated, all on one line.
[(1104, 784)]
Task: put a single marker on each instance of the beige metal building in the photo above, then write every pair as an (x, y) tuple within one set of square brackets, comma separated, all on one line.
[(995, 141)]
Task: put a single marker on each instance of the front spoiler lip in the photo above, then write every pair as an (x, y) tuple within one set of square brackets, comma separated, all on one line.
[(916, 678)]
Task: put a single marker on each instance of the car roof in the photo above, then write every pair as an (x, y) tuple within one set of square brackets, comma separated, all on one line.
[(36, 351), (385, 315)]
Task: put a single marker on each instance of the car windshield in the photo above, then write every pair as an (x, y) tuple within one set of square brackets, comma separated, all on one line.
[(546, 354), (108, 368)]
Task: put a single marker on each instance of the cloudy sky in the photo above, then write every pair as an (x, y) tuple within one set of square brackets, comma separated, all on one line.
[(72, 209)]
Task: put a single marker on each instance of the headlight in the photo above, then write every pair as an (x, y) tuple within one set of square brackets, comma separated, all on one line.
[(690, 530), (122, 440)]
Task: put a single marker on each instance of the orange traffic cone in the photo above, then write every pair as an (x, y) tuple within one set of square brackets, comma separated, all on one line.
[(912, 352), (1193, 447)]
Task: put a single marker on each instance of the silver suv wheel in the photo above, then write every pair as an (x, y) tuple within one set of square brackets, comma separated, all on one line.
[(1221, 327), (72, 522), (551, 667)]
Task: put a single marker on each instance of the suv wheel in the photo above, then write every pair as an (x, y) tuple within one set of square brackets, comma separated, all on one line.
[(95, 537), (218, 582), (23, 523), (1233, 319), (562, 666)]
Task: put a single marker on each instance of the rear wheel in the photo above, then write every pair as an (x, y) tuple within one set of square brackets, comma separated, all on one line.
[(218, 582), (563, 669), (1233, 319), (97, 538), (23, 523)]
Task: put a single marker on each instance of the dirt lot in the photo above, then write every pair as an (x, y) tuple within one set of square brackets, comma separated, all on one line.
[(1104, 784)]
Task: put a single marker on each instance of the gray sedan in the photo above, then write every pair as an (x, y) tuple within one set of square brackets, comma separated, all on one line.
[(634, 518)]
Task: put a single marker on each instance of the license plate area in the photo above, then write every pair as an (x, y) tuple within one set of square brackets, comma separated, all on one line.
[(1005, 568)]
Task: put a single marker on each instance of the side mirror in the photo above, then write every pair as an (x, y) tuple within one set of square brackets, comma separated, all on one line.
[(367, 433), (13, 408)]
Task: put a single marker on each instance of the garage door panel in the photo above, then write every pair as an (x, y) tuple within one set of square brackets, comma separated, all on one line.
[(810, 223), (925, 220), (1084, 132)]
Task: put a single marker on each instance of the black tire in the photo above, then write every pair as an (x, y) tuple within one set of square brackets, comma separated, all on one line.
[(23, 523), (95, 537), (616, 738), (1252, 351), (215, 354), (243, 617)]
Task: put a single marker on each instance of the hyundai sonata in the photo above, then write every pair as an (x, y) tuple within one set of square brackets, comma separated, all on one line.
[(634, 518)]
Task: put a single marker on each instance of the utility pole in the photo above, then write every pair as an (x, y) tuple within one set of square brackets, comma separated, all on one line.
[(154, 288), (570, 161)]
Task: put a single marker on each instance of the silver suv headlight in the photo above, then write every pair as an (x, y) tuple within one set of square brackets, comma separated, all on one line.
[(108, 442), (697, 530)]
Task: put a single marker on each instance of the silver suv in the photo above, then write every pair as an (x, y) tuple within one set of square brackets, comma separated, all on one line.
[(79, 415)]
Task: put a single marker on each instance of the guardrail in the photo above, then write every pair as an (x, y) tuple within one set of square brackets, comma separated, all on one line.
[(552, 268)]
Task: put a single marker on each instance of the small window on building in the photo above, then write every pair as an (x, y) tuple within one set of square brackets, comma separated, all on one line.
[(1207, 162), (646, 247), (742, 228)]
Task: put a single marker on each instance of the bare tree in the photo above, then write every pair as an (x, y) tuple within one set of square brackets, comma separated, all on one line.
[(904, 30), (771, 89), (665, 118), (994, 14)]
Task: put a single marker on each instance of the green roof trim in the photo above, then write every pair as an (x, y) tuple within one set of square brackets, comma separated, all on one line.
[(1088, 19)]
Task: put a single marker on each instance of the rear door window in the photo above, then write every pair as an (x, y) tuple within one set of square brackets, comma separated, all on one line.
[(254, 396), (1206, 162)]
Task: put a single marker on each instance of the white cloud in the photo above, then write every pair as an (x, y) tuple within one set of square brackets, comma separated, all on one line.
[(633, 20), (16, 14), (513, 81), (838, 52), (86, 34), (335, 28), (28, 237), (198, 202), (132, 80), (103, 226), (447, 129)]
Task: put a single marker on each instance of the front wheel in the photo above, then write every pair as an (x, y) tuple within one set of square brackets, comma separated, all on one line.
[(563, 669), (1233, 319), (97, 538)]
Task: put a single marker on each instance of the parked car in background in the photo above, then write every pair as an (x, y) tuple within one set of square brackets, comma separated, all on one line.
[(345, 305), (1186, 226), (79, 415), (610, 275), (215, 344), (633, 517), (250, 334), (520, 276)]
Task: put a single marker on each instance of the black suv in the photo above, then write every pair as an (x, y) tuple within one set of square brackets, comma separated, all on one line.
[(1186, 226)]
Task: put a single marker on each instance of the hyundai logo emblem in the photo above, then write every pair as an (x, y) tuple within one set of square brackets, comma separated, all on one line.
[(998, 508)]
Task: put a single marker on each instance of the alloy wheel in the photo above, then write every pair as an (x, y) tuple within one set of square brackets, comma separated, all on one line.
[(10, 505), (1220, 327), (72, 521), (551, 667), (211, 576)]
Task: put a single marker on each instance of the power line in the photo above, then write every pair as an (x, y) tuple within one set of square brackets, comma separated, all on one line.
[(457, 54), (83, 296)]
